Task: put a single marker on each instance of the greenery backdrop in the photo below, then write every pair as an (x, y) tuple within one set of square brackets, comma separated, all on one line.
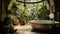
[(31, 11)]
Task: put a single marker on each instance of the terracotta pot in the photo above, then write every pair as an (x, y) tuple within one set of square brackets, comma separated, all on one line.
[(16, 22), (22, 23)]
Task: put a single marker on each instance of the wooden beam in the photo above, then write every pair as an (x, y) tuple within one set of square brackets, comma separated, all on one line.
[(52, 6)]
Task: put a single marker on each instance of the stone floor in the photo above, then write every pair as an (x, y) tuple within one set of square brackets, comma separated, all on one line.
[(26, 29)]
